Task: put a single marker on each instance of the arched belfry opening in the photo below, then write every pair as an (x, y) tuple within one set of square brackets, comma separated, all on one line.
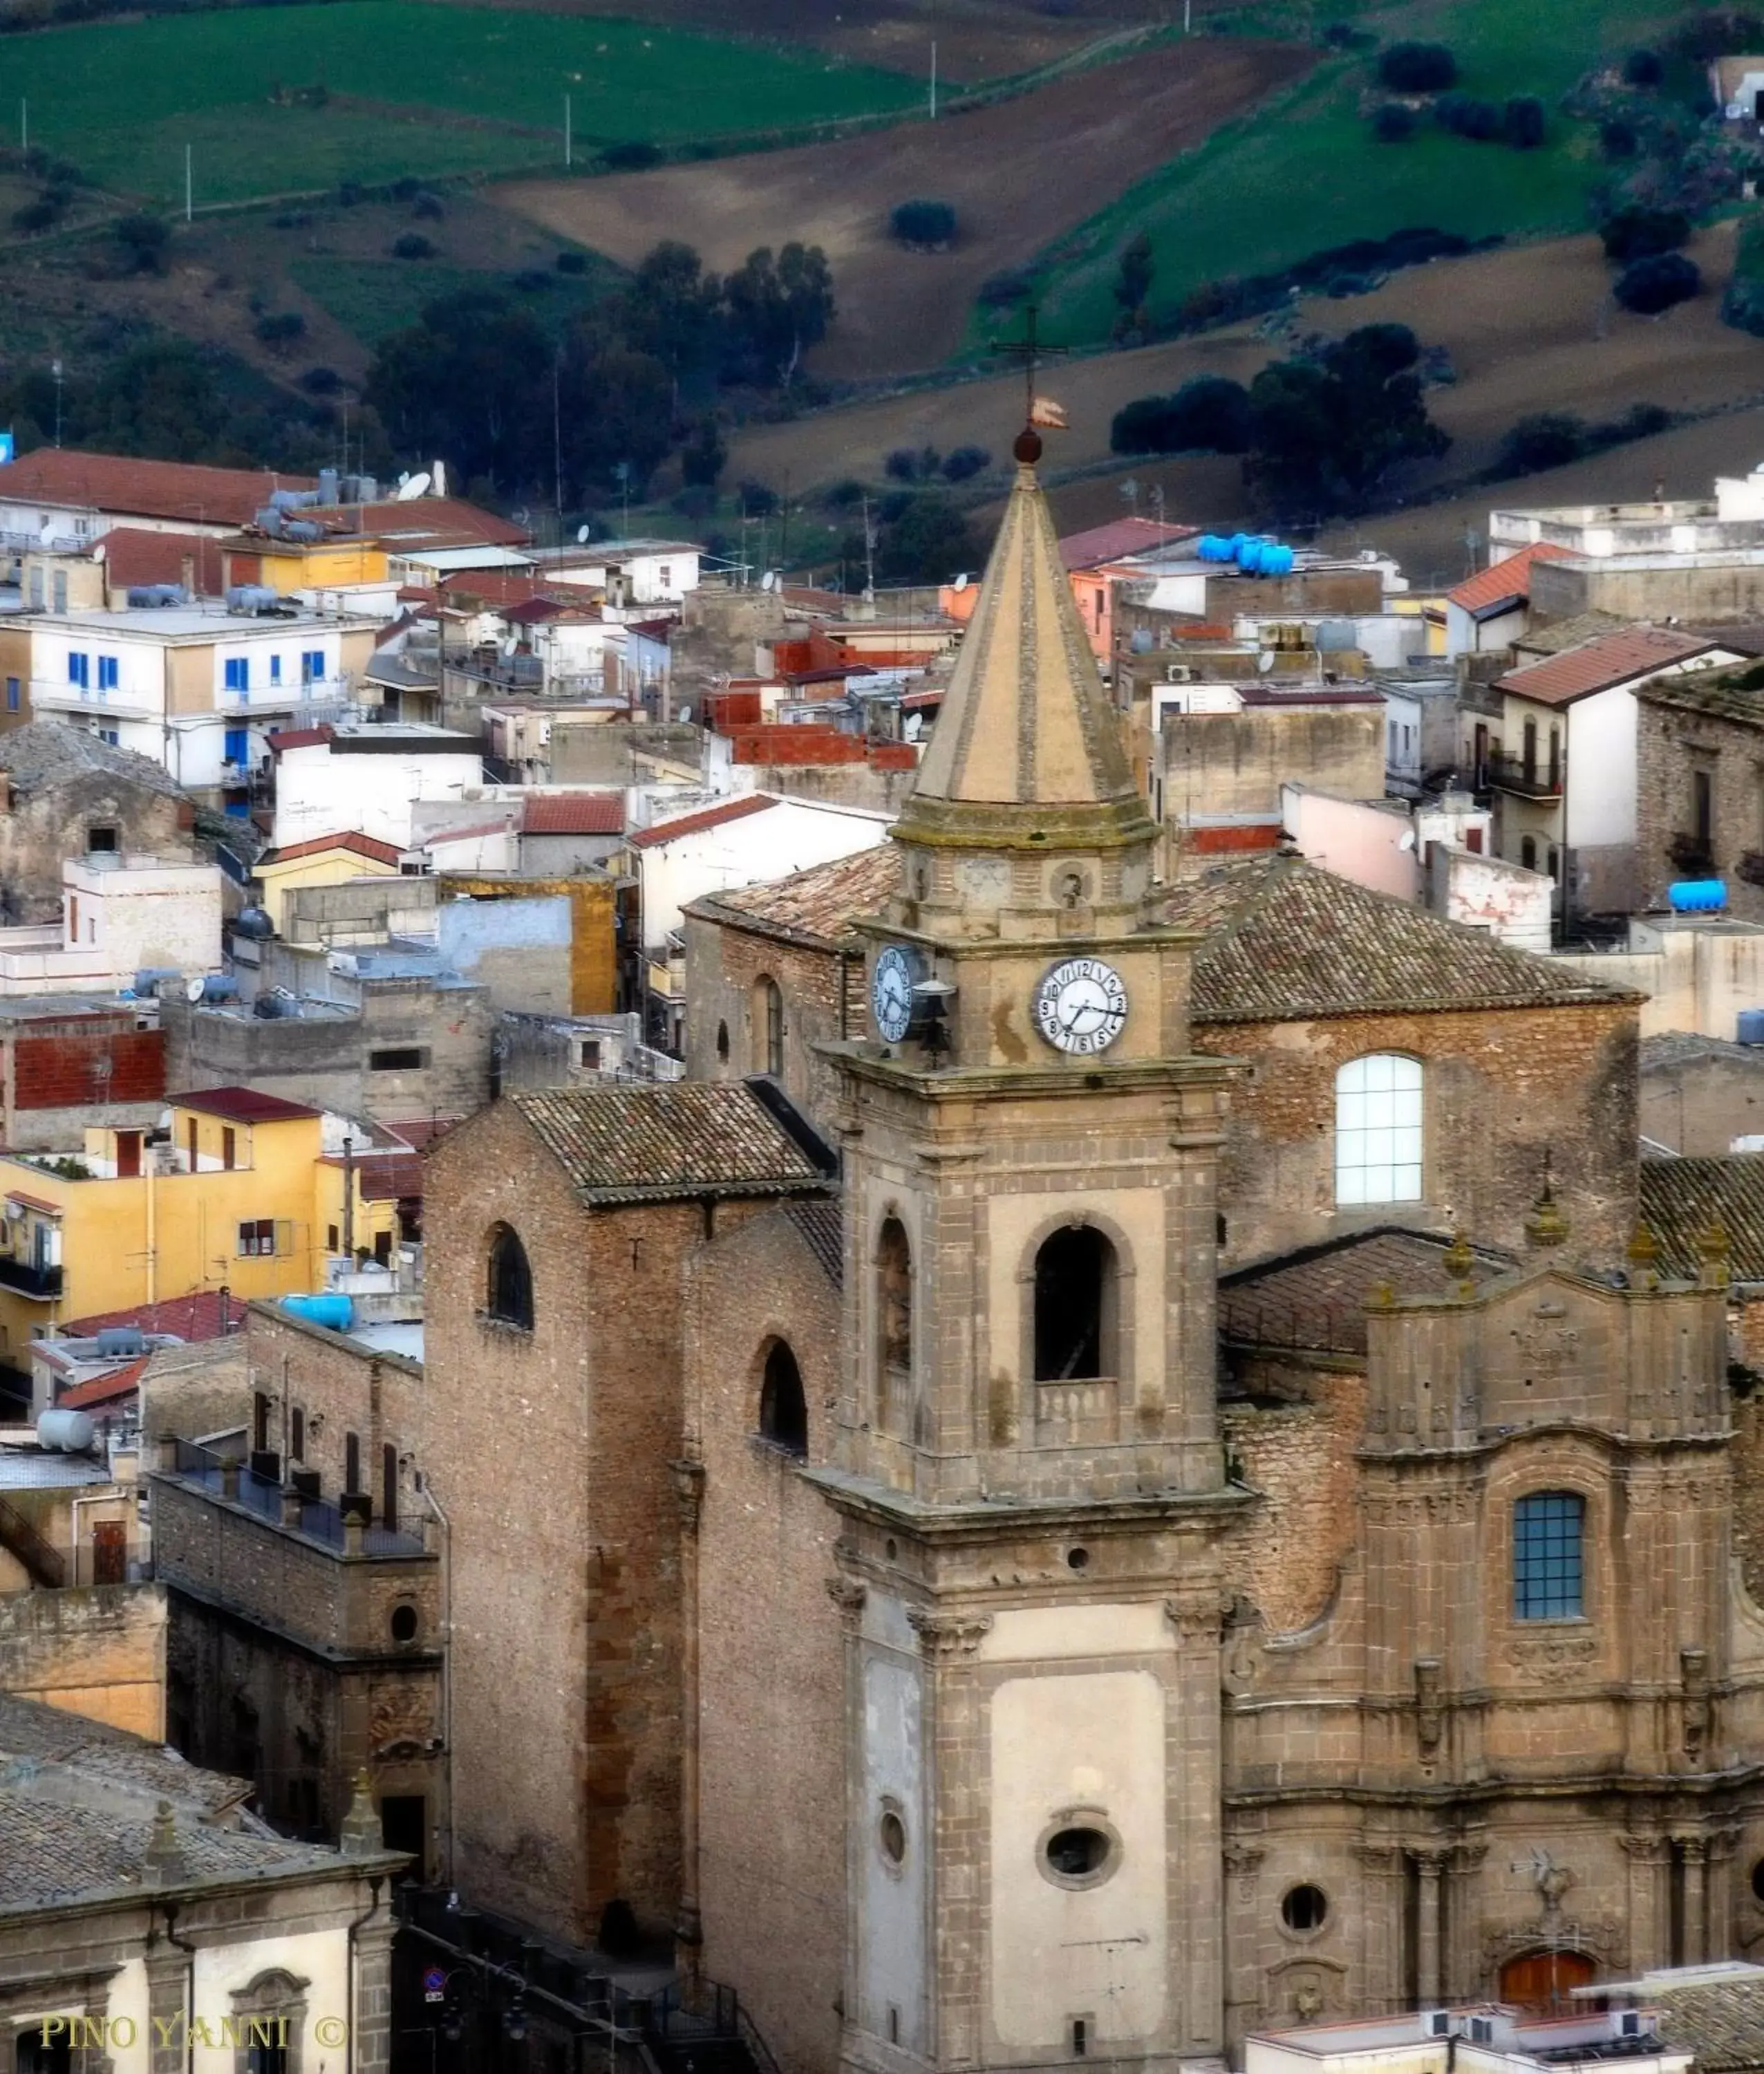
[(783, 1408), (1076, 1275)]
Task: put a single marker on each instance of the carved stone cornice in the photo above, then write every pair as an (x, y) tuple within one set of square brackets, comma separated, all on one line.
[(944, 1637), (1650, 1850), (1240, 1861), (1377, 1853), (848, 1595), (1196, 1617)]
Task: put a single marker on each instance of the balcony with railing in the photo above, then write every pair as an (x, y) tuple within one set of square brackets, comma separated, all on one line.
[(1526, 776), (26, 1278)]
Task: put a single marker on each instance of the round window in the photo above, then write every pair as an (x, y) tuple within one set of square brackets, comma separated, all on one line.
[(1079, 1854), (891, 1834), (404, 1623), (1304, 1908)]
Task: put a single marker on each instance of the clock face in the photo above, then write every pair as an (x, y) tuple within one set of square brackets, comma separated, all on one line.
[(1081, 1005), (891, 994)]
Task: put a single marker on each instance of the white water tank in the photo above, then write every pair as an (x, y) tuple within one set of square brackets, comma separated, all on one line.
[(69, 1432)]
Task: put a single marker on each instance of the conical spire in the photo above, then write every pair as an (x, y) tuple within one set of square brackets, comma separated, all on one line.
[(1026, 741)]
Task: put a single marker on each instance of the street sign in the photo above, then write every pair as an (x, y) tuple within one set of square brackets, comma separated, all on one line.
[(434, 1984)]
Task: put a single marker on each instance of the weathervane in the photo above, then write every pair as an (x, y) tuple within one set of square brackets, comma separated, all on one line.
[(1038, 410)]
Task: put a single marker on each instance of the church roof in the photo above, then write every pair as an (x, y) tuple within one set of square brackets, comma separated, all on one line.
[(1681, 1198), (816, 906), (678, 1138), (1315, 1298), (1284, 940), (1026, 723)]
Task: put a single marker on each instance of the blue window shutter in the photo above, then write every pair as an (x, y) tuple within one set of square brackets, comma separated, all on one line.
[(237, 747)]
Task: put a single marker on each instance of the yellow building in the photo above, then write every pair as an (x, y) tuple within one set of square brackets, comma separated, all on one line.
[(241, 1196), (286, 566), (322, 860)]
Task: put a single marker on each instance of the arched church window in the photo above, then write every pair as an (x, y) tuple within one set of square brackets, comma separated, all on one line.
[(768, 1030), (783, 1410), (1377, 1131), (1075, 1276), (894, 1299), (509, 1297), (722, 1043)]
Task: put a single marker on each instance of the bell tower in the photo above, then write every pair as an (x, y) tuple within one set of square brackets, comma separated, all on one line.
[(1026, 1466)]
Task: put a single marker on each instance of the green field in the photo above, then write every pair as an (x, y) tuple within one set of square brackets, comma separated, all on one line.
[(447, 90), (1305, 173), (373, 297)]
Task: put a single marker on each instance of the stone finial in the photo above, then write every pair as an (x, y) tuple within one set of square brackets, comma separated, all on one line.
[(163, 1863), (1643, 1252), (1545, 1226), (1383, 1297), (1713, 1248), (361, 1833), (354, 1533), (1458, 1262)]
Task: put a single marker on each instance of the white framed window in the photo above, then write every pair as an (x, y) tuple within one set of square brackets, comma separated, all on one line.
[(1377, 1131)]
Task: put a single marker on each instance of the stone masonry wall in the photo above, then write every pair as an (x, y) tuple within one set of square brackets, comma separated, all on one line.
[(824, 1002), (1286, 1557), (1503, 1089), (770, 1663), (97, 1650), (1671, 745)]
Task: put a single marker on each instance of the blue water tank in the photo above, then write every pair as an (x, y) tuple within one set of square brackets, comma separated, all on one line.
[(1249, 553), (1276, 560), (1751, 1026), (335, 1313), (220, 986), (1697, 896), (1214, 547)]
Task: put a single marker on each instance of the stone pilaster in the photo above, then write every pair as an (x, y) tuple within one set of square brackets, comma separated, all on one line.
[(1197, 1895), (168, 1976), (371, 2023)]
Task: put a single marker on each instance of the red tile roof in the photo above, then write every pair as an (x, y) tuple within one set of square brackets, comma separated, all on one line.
[(144, 488), (1121, 536), (433, 521), (358, 845), (419, 1132), (499, 587), (386, 1177), (297, 737), (1599, 665), (708, 817), (574, 814), (40, 1204), (243, 1105), (132, 556), (1509, 577), (103, 1389), (198, 1317)]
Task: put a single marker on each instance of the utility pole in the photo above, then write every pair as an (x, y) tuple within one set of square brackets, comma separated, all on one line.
[(348, 1195), (934, 78), (557, 440), (566, 131), (24, 124), (55, 369), (189, 183)]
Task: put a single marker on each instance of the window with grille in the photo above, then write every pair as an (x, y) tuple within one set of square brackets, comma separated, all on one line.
[(1377, 1131), (1548, 1530), (257, 1235)]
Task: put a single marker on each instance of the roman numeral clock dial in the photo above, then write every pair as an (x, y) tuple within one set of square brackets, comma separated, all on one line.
[(1081, 1006)]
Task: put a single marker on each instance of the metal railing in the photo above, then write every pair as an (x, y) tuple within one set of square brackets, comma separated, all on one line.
[(29, 1280), (318, 1520), (1531, 779)]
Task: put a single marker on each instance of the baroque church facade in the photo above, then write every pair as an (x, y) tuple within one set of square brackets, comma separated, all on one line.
[(908, 1603)]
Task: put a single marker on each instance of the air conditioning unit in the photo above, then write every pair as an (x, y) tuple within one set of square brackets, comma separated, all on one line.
[(1481, 2030), (1436, 2023), (1628, 2023), (1180, 673)]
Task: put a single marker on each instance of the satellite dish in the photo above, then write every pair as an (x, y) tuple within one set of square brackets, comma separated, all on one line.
[(685, 714), (192, 989), (581, 536), (1265, 661), (97, 552), (46, 538), (961, 584), (413, 485), (520, 515), (1406, 840), (767, 581), (913, 726)]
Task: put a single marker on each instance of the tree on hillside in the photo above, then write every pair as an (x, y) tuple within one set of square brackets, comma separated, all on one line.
[(776, 310), (1653, 285), (1325, 430), (1639, 233), (927, 226), (1133, 283), (672, 311), (1209, 414), (1412, 68), (470, 380), (925, 540)]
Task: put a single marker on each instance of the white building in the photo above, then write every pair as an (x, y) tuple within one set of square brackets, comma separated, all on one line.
[(61, 497), (1487, 2038), (630, 572), (120, 915), (749, 840), (197, 689), (366, 779)]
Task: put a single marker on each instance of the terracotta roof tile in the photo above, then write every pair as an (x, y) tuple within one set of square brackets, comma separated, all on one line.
[(821, 1223), (132, 556), (144, 489), (356, 844), (385, 1176), (1285, 941), (706, 817), (192, 1318), (241, 1106), (816, 906), (1121, 536), (1681, 1198), (685, 1138), (1606, 661), (573, 814), (1511, 577), (104, 1389), (1713, 691), (1315, 1298), (1720, 2023)]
